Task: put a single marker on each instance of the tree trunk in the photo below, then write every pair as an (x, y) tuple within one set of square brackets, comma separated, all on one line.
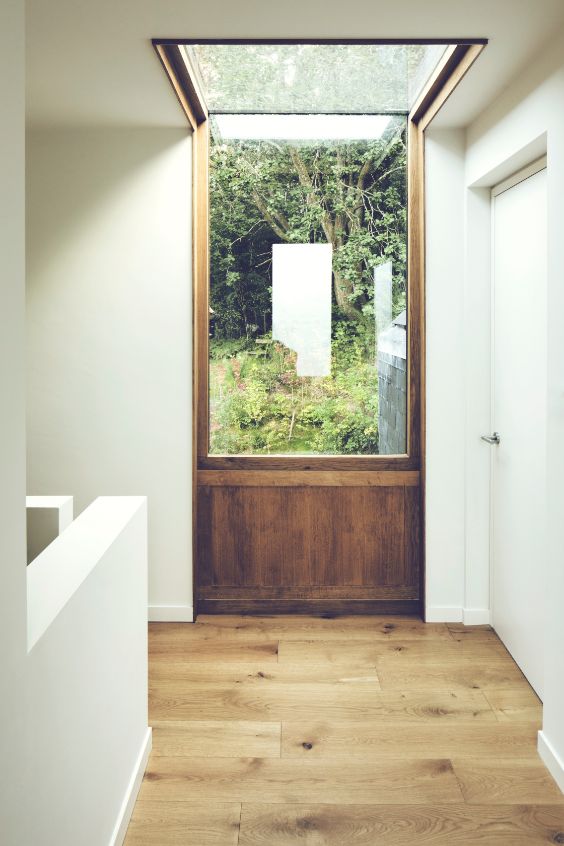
[(343, 291)]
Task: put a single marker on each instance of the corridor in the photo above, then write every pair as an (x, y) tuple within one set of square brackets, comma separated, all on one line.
[(329, 732)]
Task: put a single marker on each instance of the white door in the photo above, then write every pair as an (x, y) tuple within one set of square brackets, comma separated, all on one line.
[(519, 416)]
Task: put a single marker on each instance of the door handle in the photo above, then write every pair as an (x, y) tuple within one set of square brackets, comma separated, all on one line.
[(492, 439)]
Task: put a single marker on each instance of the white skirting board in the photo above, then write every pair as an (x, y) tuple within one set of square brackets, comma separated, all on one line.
[(130, 797), (553, 762), (443, 614), (457, 614), (171, 614)]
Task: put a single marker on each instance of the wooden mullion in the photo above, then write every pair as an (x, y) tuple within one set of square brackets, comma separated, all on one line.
[(201, 285), (308, 478)]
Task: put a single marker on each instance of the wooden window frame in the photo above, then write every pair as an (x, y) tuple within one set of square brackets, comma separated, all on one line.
[(458, 58)]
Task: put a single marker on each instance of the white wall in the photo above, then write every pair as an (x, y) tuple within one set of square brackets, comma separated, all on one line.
[(458, 385), (12, 428), (526, 121), (87, 670), (109, 322), (528, 115)]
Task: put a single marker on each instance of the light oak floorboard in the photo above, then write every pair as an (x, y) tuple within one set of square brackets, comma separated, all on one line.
[(345, 732), (376, 742), (458, 631), (297, 627), (400, 825), (220, 739), (504, 674), (521, 705), (214, 650), (271, 780), (187, 701), (261, 674), (360, 653), (506, 782), (184, 824)]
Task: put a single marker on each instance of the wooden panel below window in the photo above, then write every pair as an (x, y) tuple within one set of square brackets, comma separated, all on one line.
[(278, 548)]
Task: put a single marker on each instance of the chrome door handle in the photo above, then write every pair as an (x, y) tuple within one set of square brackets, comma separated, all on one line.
[(492, 439)]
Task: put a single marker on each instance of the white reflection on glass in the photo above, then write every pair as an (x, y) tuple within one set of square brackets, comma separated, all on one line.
[(301, 304), (382, 297)]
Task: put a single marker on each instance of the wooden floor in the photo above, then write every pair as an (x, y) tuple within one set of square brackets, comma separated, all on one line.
[(365, 731)]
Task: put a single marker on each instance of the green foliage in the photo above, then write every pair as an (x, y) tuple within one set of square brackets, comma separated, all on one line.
[(352, 195), (259, 405)]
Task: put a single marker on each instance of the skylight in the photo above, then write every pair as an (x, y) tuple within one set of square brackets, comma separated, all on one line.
[(312, 78)]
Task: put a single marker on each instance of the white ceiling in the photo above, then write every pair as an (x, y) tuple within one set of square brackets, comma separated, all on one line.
[(91, 61)]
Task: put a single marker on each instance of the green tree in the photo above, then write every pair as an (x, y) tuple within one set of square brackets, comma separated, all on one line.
[(352, 195)]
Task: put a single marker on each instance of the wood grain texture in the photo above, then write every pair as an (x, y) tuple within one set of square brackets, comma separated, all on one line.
[(375, 741), (402, 652), (308, 463), (279, 544), (458, 631), (184, 824), (340, 593), (173, 636), (521, 705), (288, 701), (200, 311), (220, 739), (400, 825), (248, 650), (502, 673), (304, 605), (169, 58), (309, 478), (270, 780), (506, 782), (447, 87), (259, 674), (303, 537), (312, 751), (201, 273)]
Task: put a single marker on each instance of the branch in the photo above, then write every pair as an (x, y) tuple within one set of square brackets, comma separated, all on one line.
[(370, 164), (306, 182), (269, 217)]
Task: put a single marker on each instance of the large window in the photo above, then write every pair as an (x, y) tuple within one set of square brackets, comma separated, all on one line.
[(313, 343), (308, 284), (308, 268)]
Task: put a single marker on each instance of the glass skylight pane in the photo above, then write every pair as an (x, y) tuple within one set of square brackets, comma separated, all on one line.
[(312, 78)]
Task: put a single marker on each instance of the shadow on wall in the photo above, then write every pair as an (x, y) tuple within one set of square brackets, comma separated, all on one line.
[(109, 328)]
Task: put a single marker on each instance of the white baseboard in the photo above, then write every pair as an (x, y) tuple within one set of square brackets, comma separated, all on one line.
[(171, 614), (552, 760), (130, 797), (476, 616), (443, 614)]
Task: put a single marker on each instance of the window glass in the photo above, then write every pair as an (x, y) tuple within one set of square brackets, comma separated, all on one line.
[(308, 221)]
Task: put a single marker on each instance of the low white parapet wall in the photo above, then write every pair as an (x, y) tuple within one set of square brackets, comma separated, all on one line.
[(47, 517), (87, 675)]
